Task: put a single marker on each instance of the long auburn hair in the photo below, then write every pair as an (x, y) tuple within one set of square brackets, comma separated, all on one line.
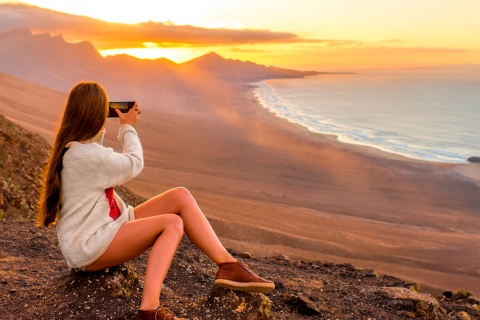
[(84, 116)]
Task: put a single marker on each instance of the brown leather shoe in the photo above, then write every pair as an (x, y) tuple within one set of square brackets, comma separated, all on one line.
[(159, 313), (236, 276)]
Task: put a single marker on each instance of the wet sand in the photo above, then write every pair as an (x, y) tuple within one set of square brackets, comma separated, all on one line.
[(272, 187)]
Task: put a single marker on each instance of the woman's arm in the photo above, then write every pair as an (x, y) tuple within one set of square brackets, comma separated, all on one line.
[(117, 168)]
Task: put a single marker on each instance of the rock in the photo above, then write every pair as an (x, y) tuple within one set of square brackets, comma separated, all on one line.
[(414, 286), (283, 257), (246, 255), (302, 304), (121, 281), (463, 294), (414, 304), (95, 295), (462, 315), (239, 305), (347, 266), (367, 272), (474, 159)]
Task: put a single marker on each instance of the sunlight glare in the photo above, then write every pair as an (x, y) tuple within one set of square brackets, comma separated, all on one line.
[(153, 51)]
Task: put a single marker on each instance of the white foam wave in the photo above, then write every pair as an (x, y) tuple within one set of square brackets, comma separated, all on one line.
[(388, 141)]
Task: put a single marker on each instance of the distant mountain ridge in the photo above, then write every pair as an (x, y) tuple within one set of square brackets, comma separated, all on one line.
[(53, 62), (44, 59)]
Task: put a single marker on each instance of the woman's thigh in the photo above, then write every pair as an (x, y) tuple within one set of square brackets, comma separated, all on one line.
[(133, 238), (171, 201)]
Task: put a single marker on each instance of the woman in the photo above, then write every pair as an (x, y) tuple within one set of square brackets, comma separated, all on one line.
[(96, 230)]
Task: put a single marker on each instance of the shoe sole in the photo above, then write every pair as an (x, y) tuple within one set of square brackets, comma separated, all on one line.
[(252, 287)]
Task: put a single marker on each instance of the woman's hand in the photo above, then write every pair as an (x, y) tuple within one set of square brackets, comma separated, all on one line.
[(130, 117)]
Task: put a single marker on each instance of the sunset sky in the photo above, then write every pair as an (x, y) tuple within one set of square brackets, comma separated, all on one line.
[(305, 34)]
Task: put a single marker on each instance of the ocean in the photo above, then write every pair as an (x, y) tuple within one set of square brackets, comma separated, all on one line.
[(426, 114)]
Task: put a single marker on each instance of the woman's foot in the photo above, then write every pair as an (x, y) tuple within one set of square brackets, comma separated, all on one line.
[(236, 276), (159, 313)]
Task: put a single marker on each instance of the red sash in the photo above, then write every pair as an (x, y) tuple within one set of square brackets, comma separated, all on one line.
[(114, 209)]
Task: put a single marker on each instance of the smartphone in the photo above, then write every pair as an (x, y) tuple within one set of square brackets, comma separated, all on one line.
[(123, 106)]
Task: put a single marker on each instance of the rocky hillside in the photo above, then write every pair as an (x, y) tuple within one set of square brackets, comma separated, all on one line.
[(36, 283), (23, 155)]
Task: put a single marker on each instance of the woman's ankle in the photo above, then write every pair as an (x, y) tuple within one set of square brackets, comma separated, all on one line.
[(226, 261), (147, 306)]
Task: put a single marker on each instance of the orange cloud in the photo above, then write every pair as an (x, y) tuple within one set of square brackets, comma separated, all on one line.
[(106, 35)]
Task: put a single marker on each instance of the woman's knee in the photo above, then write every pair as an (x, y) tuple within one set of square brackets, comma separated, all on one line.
[(174, 223), (182, 192), (183, 195)]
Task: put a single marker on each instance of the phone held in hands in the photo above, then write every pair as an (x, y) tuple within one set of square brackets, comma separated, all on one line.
[(123, 106)]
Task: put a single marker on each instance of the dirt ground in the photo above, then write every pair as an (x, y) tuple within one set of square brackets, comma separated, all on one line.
[(36, 283)]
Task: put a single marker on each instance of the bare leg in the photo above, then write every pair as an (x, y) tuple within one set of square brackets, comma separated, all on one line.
[(162, 233), (197, 227)]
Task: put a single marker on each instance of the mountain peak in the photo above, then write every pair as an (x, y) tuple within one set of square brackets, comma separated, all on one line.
[(211, 57)]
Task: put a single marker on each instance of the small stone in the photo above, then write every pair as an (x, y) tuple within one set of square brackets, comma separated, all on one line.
[(303, 304), (238, 304), (419, 304), (246, 255), (367, 273), (284, 257), (415, 286), (474, 159), (462, 315)]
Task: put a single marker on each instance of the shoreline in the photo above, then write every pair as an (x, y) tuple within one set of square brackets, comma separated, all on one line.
[(466, 169), (356, 147), (291, 115)]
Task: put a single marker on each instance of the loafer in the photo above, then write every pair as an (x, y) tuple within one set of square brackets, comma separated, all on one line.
[(158, 313), (236, 276)]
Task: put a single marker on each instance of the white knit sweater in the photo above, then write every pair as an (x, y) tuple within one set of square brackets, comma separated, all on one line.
[(87, 223)]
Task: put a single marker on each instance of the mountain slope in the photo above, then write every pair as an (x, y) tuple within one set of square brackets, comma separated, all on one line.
[(52, 62), (35, 107), (46, 60), (235, 70)]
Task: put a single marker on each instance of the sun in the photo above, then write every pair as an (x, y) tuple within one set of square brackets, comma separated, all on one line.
[(153, 51)]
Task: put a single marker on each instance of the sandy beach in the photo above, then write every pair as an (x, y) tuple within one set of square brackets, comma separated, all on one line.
[(271, 187)]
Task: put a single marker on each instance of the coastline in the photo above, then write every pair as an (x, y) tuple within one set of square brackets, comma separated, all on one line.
[(408, 133)]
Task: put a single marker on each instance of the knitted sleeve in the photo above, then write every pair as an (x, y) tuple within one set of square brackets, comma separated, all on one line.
[(117, 168)]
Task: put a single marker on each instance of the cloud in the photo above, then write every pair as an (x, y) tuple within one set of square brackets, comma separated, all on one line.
[(417, 50), (106, 35)]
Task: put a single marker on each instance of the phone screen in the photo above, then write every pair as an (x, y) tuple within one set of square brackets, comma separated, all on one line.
[(123, 106)]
